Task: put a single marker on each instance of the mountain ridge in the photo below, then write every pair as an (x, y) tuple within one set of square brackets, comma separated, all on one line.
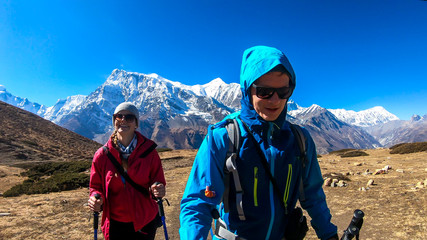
[(176, 115), (26, 137)]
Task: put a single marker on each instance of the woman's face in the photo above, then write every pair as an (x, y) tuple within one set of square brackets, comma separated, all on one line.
[(270, 108), (125, 123)]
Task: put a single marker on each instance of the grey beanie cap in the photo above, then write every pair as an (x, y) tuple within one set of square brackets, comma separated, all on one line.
[(127, 106)]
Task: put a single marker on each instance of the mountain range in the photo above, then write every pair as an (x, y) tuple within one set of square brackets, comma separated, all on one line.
[(176, 115)]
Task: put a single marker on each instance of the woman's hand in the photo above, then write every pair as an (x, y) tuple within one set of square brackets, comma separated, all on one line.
[(95, 204), (158, 190)]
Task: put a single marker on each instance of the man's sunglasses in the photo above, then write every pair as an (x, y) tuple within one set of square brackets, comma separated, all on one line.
[(268, 92), (126, 117)]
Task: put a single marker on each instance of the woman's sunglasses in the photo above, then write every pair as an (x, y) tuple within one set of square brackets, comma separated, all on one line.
[(268, 92), (126, 117)]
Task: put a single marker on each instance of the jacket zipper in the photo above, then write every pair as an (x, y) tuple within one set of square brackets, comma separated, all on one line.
[(288, 186), (271, 152), (256, 186)]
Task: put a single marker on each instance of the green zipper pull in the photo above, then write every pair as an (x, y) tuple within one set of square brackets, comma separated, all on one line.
[(287, 189), (255, 186)]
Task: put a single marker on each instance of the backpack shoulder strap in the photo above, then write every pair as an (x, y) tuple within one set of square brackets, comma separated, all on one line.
[(149, 150), (122, 172), (300, 137), (234, 137), (297, 131), (233, 131)]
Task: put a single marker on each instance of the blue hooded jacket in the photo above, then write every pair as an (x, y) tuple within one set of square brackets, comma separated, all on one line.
[(266, 218)]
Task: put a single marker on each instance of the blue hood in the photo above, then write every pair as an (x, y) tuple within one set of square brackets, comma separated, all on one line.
[(256, 62)]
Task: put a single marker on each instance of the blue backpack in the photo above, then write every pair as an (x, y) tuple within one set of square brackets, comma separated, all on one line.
[(233, 130)]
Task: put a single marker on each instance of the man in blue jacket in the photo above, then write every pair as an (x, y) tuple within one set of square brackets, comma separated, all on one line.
[(267, 80)]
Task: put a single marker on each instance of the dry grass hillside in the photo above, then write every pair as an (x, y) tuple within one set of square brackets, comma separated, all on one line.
[(395, 205), (26, 137)]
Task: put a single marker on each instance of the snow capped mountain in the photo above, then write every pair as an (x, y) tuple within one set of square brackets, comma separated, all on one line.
[(23, 103), (293, 107), (63, 107), (313, 109), (416, 118), (398, 131), (365, 118), (227, 94), (176, 115), (167, 108), (329, 132)]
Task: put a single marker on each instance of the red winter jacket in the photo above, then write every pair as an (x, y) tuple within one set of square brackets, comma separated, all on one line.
[(144, 171)]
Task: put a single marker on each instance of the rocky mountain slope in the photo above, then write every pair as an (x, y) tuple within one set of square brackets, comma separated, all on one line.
[(330, 133), (398, 131), (172, 114), (26, 137)]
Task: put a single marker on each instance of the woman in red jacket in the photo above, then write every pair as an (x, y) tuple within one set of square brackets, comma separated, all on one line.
[(127, 212)]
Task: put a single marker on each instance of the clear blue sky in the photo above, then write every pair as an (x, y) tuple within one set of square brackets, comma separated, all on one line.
[(352, 54)]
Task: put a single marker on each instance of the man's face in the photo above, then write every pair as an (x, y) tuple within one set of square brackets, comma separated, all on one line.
[(270, 108)]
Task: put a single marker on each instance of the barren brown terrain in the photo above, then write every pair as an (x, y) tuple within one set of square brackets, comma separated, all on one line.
[(395, 208), (395, 205), (28, 138)]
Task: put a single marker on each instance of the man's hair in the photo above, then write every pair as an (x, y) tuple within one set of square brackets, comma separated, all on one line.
[(280, 68)]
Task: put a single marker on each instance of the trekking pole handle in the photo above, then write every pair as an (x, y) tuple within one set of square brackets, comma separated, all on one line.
[(358, 218), (95, 214), (160, 203), (161, 209), (355, 225)]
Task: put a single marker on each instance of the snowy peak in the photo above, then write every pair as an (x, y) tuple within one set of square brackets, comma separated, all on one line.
[(227, 94), (22, 103), (292, 106), (296, 111), (63, 107), (418, 118), (166, 108), (365, 118), (314, 109), (144, 85), (216, 82)]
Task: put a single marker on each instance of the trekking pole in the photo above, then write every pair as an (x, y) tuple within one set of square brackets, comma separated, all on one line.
[(95, 219), (355, 225), (162, 215)]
